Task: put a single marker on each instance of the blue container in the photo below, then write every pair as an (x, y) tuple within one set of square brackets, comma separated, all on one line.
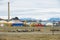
[(17, 24)]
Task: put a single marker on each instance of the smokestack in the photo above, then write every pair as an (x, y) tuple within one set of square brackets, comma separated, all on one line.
[(8, 10)]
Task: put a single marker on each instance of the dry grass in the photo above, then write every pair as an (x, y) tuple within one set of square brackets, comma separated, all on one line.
[(5, 29), (30, 37)]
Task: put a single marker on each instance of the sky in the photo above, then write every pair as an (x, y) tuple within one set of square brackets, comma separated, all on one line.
[(39, 9)]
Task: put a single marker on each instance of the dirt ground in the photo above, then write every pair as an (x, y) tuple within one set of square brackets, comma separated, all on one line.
[(30, 37)]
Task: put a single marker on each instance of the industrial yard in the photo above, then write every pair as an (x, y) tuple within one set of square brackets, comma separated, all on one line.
[(29, 30)]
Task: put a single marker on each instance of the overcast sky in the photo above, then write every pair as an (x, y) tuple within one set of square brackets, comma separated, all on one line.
[(39, 9)]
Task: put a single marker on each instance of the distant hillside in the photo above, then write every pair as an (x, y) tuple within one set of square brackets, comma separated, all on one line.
[(27, 19), (54, 19)]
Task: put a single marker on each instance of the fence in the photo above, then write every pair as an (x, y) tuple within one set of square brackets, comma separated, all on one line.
[(7, 27)]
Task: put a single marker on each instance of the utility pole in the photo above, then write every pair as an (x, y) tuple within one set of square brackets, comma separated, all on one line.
[(53, 27), (8, 11)]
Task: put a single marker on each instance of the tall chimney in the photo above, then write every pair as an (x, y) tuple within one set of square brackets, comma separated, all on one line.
[(8, 10)]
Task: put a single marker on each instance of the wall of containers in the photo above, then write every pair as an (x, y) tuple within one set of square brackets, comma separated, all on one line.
[(28, 24), (20, 25)]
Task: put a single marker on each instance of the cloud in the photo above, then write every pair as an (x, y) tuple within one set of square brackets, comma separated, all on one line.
[(36, 3), (31, 8)]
